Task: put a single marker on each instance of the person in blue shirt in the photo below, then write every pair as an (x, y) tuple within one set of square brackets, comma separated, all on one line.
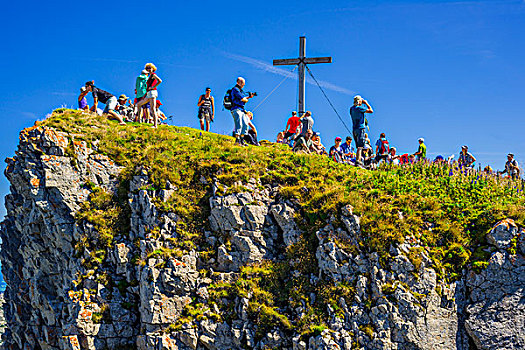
[(348, 150), (357, 113), (239, 99), (382, 148)]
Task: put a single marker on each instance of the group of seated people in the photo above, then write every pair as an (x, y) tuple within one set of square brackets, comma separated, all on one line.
[(301, 138)]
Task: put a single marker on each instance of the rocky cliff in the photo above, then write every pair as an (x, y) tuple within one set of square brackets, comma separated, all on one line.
[(108, 246)]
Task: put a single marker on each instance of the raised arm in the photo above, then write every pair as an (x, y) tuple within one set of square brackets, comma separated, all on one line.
[(369, 110)]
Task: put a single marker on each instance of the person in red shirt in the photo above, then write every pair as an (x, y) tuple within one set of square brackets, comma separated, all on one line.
[(292, 125)]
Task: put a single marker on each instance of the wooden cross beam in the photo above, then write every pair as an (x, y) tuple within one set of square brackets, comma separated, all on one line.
[(301, 61)]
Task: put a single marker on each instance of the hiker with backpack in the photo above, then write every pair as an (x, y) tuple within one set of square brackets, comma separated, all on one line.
[(382, 148), (466, 159), (206, 106), (357, 113), (511, 167), (105, 97), (234, 101)]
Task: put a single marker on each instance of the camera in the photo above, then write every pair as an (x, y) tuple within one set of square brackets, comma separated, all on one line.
[(252, 93)]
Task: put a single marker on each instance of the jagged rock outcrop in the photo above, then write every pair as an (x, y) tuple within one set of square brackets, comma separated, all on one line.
[(146, 292)]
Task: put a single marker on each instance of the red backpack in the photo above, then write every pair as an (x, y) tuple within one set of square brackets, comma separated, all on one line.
[(384, 148)]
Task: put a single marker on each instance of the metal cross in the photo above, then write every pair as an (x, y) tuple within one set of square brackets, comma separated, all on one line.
[(302, 61)]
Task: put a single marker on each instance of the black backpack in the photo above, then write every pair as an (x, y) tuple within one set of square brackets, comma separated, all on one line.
[(227, 100)]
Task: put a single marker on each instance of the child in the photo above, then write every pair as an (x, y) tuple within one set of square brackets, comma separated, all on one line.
[(82, 101)]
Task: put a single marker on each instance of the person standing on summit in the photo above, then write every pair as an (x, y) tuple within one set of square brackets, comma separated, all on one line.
[(238, 100), (206, 106), (357, 113), (152, 94), (140, 93)]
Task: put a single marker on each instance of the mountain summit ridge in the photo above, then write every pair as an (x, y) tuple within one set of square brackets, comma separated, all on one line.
[(122, 237)]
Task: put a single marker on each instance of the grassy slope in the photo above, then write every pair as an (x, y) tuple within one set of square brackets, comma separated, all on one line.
[(459, 208)]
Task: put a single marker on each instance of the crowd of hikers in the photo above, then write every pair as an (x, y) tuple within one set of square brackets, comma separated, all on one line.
[(298, 133), (144, 109)]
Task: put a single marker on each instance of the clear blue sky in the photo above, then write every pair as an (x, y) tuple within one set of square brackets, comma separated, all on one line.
[(449, 71)]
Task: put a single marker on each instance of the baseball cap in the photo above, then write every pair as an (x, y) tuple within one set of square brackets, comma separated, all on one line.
[(338, 138), (421, 139)]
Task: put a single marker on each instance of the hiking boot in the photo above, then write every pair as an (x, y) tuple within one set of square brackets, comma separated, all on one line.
[(239, 141)]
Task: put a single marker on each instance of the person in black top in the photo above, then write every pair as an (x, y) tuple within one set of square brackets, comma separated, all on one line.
[(105, 97), (206, 109)]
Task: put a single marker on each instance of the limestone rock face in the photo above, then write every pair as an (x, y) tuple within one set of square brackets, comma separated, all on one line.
[(496, 305), (145, 292)]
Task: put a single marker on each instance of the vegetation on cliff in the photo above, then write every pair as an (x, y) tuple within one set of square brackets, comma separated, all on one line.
[(446, 210)]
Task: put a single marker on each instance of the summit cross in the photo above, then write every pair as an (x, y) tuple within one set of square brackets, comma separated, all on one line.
[(301, 61)]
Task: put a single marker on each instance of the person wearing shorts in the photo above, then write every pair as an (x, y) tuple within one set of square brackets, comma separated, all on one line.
[(293, 124), (151, 95), (105, 97), (206, 106), (357, 113)]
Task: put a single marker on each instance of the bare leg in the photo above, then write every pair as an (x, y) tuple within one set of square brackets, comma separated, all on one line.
[(202, 123), (152, 105), (358, 155), (207, 125), (116, 116)]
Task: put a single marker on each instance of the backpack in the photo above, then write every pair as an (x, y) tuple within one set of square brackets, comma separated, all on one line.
[(227, 100), (383, 149)]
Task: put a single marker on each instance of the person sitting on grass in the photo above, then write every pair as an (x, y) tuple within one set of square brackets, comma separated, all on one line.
[(82, 101), (382, 148), (105, 97), (303, 143), (251, 137), (348, 150), (393, 158), (466, 159), (280, 137), (125, 111), (317, 146), (421, 153), (336, 152)]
